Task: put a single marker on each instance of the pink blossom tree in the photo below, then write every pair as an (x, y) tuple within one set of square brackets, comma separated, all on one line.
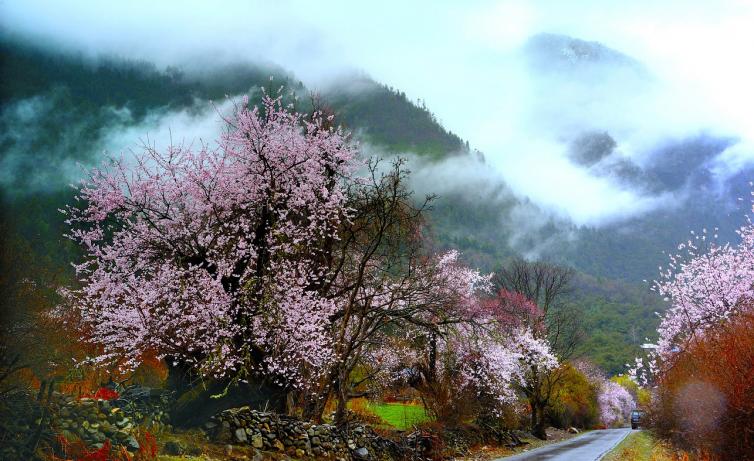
[(536, 292), (489, 355), (212, 257), (410, 303), (706, 284), (704, 287), (615, 404)]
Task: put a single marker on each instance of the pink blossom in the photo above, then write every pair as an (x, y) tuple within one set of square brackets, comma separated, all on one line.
[(209, 256), (615, 404)]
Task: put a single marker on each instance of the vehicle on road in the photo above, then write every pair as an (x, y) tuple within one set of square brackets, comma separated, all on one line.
[(636, 416)]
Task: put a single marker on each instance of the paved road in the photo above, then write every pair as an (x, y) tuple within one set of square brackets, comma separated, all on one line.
[(588, 447)]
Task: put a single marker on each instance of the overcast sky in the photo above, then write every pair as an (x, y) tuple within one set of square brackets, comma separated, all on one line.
[(463, 59)]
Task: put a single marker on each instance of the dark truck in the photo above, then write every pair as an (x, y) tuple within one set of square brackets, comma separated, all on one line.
[(636, 418)]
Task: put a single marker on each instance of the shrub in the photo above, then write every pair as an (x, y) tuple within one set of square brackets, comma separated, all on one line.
[(575, 401), (705, 400)]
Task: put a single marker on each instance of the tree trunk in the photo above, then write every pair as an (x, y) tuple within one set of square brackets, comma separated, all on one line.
[(194, 402), (342, 390), (313, 408), (432, 372), (180, 377), (538, 421)]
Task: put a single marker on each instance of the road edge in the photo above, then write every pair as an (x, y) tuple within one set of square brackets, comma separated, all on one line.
[(616, 444), (504, 458)]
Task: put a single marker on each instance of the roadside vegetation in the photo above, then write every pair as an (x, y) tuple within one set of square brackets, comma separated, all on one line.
[(701, 371), (640, 446)]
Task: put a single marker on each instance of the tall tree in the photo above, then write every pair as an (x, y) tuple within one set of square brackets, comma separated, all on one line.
[(212, 258)]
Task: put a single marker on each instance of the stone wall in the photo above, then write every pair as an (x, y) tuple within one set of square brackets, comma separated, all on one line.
[(92, 421), (301, 439), (96, 420)]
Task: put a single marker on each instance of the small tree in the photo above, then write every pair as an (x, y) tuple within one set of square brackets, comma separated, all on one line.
[(472, 367), (615, 404), (553, 321)]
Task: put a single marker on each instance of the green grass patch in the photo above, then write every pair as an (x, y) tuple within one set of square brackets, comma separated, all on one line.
[(399, 415), (638, 446)]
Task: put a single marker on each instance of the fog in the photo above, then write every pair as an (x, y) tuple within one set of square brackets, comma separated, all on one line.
[(677, 71)]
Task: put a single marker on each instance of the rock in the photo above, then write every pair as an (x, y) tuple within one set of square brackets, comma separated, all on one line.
[(300, 453), (315, 441), (174, 448), (279, 445), (256, 441), (132, 444), (361, 453), (241, 435)]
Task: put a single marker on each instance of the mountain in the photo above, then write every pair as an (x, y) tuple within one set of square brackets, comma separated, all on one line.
[(384, 116), (557, 53)]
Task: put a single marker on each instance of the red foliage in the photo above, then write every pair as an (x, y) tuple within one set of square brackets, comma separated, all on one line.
[(706, 403), (103, 454), (105, 393), (77, 451), (514, 309), (147, 447)]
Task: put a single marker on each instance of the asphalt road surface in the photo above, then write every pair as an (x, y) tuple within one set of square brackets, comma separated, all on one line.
[(588, 447)]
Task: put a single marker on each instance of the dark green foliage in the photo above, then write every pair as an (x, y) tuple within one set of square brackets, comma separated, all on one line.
[(617, 318), (390, 120), (28, 71)]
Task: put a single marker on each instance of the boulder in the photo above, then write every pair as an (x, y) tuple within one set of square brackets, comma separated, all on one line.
[(241, 435), (174, 448)]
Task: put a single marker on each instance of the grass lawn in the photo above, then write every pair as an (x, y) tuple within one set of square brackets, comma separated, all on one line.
[(639, 446), (398, 415)]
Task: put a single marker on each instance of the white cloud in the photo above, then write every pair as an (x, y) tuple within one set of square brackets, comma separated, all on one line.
[(463, 60)]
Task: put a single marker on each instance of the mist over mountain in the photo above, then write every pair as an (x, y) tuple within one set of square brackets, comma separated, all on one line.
[(578, 59)]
